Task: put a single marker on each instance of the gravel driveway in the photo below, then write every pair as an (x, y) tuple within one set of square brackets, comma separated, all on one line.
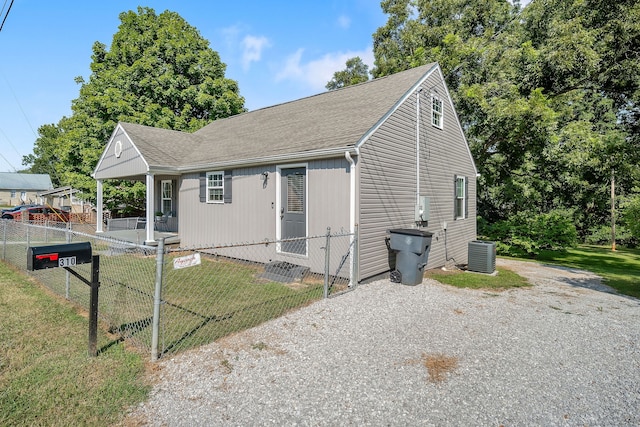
[(564, 352)]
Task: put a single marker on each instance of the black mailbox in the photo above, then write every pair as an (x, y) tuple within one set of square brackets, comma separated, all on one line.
[(65, 255)]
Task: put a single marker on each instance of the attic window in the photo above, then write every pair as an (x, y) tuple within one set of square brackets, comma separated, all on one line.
[(436, 112)]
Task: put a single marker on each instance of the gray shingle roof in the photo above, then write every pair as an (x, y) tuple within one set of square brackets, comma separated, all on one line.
[(159, 147), (24, 181), (331, 119)]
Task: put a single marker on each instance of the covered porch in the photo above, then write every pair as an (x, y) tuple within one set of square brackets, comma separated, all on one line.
[(160, 218), (140, 153)]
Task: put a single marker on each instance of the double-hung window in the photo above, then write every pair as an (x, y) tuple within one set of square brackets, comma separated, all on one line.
[(460, 197), (167, 196), (215, 187), (436, 112)]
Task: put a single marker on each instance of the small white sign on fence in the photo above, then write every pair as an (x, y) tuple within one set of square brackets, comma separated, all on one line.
[(186, 261)]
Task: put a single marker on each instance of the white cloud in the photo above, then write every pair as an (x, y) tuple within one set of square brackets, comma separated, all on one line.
[(316, 73), (230, 35), (252, 48), (344, 21)]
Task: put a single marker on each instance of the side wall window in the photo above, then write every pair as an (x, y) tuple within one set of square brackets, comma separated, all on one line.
[(215, 187), (460, 202), (436, 112)]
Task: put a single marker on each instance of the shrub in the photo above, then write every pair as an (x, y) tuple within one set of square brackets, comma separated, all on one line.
[(526, 234), (602, 236), (630, 207)]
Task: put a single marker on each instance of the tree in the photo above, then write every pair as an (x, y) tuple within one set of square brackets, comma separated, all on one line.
[(44, 158), (160, 72), (356, 72), (547, 95)]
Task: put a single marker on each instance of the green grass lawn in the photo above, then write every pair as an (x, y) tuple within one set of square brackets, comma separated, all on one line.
[(46, 375), (505, 279), (619, 269)]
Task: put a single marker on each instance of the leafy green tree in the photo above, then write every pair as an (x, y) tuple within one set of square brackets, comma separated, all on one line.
[(44, 158), (356, 72), (160, 72), (631, 213), (547, 95)]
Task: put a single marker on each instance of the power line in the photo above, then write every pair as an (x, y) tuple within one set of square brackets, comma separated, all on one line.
[(19, 105), (7, 14)]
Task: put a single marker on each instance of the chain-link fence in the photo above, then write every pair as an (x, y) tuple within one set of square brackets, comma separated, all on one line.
[(167, 299)]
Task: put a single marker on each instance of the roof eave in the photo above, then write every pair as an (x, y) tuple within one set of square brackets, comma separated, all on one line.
[(326, 153)]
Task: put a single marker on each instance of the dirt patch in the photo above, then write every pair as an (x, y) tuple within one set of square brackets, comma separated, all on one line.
[(439, 366), (538, 273)]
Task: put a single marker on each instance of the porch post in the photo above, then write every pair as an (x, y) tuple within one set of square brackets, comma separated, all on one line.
[(150, 213), (99, 208)]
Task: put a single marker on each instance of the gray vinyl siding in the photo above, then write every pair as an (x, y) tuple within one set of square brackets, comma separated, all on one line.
[(328, 196), (248, 218), (129, 164), (387, 187), (388, 183), (252, 215)]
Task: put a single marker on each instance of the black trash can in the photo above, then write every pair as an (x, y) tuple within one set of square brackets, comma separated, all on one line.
[(412, 247)]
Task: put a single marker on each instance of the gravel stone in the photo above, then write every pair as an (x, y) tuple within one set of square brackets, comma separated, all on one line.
[(564, 352)]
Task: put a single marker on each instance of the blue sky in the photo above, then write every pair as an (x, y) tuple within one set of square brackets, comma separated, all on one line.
[(277, 51)]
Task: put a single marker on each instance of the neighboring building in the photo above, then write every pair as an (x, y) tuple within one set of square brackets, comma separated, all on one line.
[(64, 198), (358, 158), (22, 188)]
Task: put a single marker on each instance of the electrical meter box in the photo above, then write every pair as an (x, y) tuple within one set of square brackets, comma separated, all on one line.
[(422, 209), (64, 255)]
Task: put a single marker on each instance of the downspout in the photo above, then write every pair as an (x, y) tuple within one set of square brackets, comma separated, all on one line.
[(418, 146), (352, 212)]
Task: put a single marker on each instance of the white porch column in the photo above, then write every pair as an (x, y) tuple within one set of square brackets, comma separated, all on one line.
[(150, 212), (99, 207)]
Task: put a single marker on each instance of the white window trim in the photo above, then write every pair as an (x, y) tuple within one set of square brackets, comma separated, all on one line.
[(221, 187), (440, 113), (170, 198), (461, 198), (279, 207)]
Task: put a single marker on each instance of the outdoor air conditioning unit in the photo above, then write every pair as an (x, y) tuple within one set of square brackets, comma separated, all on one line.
[(482, 256)]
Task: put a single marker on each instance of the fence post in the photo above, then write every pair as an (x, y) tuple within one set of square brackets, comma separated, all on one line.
[(156, 300), (67, 286), (93, 306), (4, 239), (327, 263)]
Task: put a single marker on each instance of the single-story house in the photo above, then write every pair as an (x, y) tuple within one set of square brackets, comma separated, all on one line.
[(22, 188), (388, 153)]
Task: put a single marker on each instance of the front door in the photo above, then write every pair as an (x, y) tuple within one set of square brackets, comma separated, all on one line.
[(293, 215)]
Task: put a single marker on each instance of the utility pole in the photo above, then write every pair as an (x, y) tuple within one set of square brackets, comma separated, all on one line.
[(613, 210)]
